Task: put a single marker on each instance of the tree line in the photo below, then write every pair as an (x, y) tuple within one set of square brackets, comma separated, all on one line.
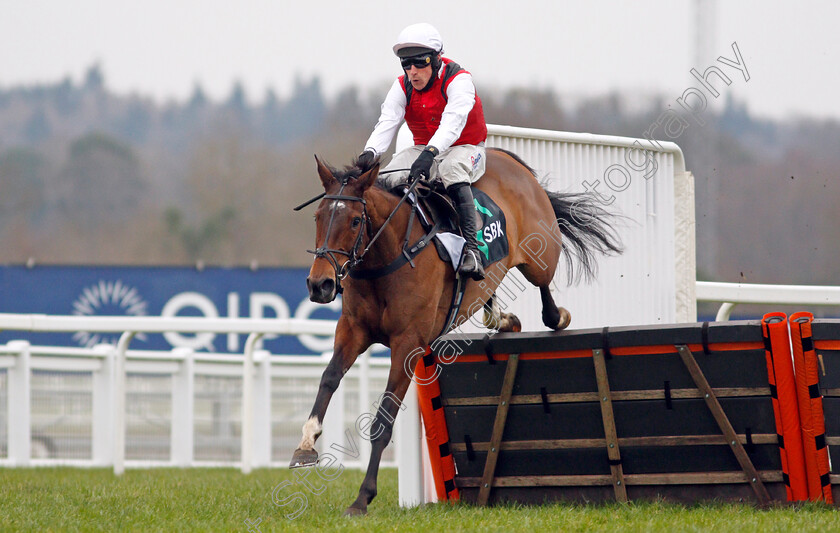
[(88, 176)]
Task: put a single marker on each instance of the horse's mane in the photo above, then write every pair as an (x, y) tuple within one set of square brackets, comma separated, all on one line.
[(344, 175), (354, 170)]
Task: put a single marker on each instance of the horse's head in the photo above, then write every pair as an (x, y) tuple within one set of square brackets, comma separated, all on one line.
[(341, 224)]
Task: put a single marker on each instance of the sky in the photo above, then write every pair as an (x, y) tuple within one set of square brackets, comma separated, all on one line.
[(162, 49)]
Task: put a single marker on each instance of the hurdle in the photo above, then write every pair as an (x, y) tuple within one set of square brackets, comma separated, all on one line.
[(680, 412)]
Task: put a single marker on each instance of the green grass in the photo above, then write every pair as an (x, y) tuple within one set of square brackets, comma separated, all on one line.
[(61, 499)]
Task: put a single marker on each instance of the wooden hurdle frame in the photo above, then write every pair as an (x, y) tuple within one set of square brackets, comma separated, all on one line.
[(716, 373)]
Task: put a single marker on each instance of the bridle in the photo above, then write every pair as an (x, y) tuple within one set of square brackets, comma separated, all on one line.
[(354, 257)]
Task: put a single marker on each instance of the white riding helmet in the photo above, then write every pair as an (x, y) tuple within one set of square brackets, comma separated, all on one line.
[(416, 38)]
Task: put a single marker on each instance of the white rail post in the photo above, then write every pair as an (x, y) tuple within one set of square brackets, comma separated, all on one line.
[(724, 312), (119, 402), (248, 403), (181, 447), (103, 406), (429, 490), (262, 409), (409, 461), (20, 405)]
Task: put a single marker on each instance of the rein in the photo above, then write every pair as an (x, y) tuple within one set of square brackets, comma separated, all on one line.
[(393, 212)]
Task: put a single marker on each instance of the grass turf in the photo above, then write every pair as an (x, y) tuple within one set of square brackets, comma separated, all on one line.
[(198, 499)]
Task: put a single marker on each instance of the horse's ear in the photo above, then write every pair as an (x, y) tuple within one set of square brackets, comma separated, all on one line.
[(369, 178), (325, 174)]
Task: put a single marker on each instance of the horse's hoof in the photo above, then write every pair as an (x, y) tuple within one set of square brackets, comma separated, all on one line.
[(515, 324), (565, 319), (303, 458), (509, 322), (355, 511), (490, 322)]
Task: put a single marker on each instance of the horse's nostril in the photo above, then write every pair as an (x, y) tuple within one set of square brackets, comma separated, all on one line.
[(321, 291)]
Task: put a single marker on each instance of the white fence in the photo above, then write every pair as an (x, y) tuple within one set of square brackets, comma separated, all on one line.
[(185, 408), (652, 282), (731, 294)]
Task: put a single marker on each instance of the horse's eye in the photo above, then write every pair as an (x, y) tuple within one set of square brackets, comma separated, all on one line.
[(356, 222)]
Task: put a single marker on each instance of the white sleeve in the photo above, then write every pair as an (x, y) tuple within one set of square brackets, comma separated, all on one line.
[(390, 119), (461, 99)]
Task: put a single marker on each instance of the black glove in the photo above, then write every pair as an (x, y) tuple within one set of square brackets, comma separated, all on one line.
[(423, 164), (365, 160)]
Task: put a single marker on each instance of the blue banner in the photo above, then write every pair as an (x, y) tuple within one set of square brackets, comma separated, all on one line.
[(164, 291)]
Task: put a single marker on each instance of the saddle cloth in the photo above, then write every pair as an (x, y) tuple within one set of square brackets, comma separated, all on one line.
[(491, 235)]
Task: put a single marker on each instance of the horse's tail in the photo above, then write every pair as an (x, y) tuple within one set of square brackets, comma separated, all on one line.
[(588, 229)]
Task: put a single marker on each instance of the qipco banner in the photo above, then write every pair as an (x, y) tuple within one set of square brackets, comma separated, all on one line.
[(167, 292)]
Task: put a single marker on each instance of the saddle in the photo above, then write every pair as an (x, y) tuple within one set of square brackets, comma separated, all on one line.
[(435, 211)]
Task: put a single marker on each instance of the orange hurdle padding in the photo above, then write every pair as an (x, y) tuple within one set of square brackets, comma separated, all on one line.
[(785, 405), (811, 413), (434, 421)]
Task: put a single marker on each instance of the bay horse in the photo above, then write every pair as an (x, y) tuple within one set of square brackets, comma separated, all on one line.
[(406, 308)]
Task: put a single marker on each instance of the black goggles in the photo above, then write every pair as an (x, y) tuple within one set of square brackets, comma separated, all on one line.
[(420, 61)]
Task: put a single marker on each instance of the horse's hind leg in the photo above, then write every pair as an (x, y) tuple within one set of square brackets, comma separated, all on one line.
[(494, 318), (381, 429), (540, 273), (553, 317)]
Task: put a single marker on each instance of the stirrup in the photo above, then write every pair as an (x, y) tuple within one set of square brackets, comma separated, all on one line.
[(477, 272)]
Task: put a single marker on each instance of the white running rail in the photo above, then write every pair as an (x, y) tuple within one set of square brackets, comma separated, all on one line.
[(128, 328), (731, 294)]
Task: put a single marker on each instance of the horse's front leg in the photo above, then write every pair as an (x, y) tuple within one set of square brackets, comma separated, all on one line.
[(350, 341), (381, 429)]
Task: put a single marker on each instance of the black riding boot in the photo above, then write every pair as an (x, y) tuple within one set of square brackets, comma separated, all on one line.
[(462, 195)]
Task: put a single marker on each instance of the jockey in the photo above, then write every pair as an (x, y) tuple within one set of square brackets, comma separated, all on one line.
[(437, 99)]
